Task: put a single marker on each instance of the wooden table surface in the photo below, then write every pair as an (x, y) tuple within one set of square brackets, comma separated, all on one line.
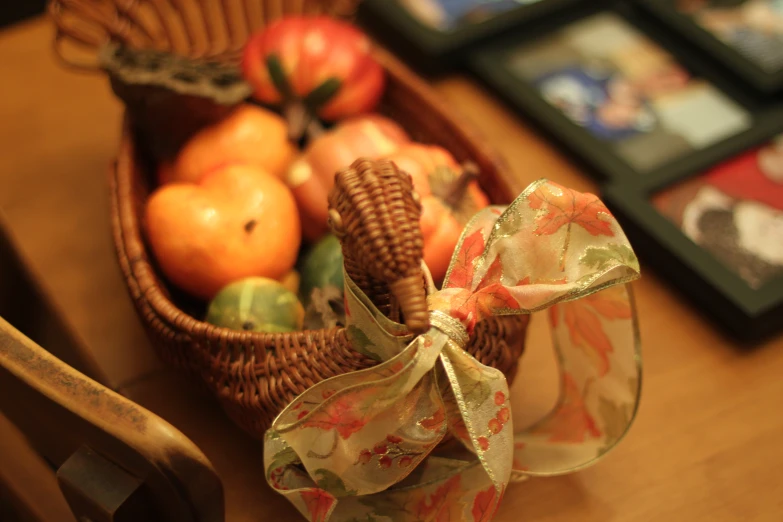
[(708, 441)]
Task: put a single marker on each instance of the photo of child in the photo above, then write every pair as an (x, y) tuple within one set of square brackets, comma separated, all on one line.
[(735, 212), (448, 15), (752, 27), (624, 89)]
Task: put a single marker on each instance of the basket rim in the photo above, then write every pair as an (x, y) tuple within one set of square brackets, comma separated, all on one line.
[(143, 280), (128, 228)]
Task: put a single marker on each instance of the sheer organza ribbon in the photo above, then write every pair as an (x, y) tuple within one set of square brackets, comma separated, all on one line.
[(427, 433)]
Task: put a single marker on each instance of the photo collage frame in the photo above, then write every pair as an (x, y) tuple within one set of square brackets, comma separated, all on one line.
[(674, 106)]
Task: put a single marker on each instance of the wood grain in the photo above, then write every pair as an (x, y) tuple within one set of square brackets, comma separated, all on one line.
[(60, 411), (706, 445)]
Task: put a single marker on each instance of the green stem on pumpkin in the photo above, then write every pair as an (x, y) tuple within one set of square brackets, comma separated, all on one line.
[(294, 111), (456, 191), (277, 75), (301, 113), (317, 98), (298, 119), (321, 95)]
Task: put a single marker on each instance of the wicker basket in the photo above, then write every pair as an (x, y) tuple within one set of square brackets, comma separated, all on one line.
[(256, 375)]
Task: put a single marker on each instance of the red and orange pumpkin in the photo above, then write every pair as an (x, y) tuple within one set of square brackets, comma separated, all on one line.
[(311, 176), (449, 194), (319, 64)]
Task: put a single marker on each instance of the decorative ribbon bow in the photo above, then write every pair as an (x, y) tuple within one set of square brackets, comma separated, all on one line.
[(368, 444)]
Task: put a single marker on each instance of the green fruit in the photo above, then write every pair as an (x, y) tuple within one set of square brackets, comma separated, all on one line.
[(256, 304), (322, 266)]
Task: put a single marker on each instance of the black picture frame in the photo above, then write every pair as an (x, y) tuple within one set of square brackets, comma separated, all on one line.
[(488, 64), (745, 68), (436, 51), (746, 314)]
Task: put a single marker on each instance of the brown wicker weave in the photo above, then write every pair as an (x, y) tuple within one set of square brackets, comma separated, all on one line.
[(255, 375), (375, 213), (213, 29)]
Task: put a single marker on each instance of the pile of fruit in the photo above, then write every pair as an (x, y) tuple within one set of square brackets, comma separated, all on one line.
[(239, 218)]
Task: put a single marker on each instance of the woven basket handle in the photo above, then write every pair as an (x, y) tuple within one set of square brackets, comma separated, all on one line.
[(199, 29), (375, 213)]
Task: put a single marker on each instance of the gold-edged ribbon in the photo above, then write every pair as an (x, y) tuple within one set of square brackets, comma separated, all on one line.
[(371, 443)]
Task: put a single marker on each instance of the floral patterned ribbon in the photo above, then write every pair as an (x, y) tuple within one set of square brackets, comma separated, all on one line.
[(427, 433)]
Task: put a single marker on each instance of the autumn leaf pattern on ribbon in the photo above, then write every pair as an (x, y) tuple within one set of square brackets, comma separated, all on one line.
[(435, 422), (390, 451), (444, 505), (484, 505), (571, 423), (583, 318), (282, 459), (342, 450), (561, 206), (494, 273), (461, 275), (611, 303), (490, 297), (565, 206), (360, 342), (615, 417), (455, 422), (474, 383), (599, 258), (318, 504), (329, 481), (346, 415)]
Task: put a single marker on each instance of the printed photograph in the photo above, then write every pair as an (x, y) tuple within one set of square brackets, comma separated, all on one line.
[(624, 89), (735, 212), (752, 27), (449, 15)]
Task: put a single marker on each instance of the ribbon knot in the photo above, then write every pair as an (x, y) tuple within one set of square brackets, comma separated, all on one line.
[(453, 328), (357, 437)]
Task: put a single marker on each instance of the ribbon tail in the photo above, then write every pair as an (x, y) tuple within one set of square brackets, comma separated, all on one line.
[(288, 479), (597, 343), (485, 425)]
